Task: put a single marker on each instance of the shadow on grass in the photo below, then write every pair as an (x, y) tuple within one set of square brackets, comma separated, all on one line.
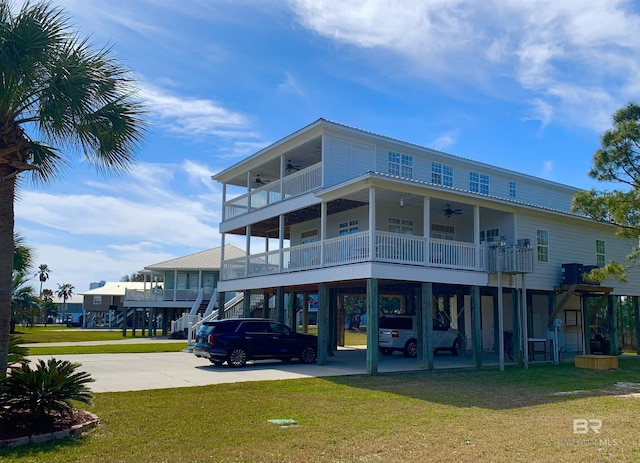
[(460, 385), (514, 388)]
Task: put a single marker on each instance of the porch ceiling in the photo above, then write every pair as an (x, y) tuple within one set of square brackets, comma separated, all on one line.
[(267, 166), (270, 226)]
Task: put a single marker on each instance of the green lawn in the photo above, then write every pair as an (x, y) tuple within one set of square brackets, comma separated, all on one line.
[(467, 416), (57, 333), (153, 346)]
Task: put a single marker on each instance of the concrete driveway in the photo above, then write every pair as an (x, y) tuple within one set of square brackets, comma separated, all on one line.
[(135, 372)]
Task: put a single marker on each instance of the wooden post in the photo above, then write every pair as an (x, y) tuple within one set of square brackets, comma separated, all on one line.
[(305, 313), (124, 321), (265, 305), (280, 303), (462, 329), (134, 322), (341, 320), (426, 324), (612, 315), (246, 303), (221, 301), (372, 326), (517, 327), (476, 332), (586, 329), (291, 313), (323, 323)]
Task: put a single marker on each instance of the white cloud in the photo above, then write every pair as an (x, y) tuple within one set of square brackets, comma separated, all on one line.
[(83, 266), (541, 111), (547, 169), (444, 141), (552, 50), (194, 116), (290, 85)]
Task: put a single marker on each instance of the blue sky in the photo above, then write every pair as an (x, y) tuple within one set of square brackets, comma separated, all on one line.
[(525, 85)]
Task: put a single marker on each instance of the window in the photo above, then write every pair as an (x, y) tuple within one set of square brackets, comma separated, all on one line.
[(600, 253), (441, 174), (542, 240), (348, 228), (490, 235), (97, 300), (401, 226), (445, 232), (309, 236), (512, 189), (400, 164), (479, 183)]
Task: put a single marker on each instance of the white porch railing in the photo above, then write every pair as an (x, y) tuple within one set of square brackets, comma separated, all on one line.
[(164, 295), (346, 249), (453, 254), (292, 185), (515, 259), (389, 247)]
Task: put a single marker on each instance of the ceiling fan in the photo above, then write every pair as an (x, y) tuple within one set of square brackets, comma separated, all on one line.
[(448, 212), (292, 167), (259, 182)]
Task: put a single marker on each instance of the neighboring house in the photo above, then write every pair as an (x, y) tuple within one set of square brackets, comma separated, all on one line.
[(72, 308), (103, 304), (179, 287), (342, 211)]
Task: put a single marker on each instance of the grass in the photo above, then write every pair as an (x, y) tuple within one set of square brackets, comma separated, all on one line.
[(57, 333), (466, 416), (110, 349)]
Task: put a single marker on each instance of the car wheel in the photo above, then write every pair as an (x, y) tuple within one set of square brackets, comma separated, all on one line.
[(308, 354), (237, 357), (411, 348), (216, 361), (454, 348), (386, 351)]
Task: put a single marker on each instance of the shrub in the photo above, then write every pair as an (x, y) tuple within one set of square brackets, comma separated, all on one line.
[(17, 354), (35, 396)]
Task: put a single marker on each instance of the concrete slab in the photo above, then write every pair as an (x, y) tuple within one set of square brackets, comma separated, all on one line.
[(132, 372)]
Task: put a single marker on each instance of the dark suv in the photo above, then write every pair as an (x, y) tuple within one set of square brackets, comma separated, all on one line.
[(237, 340)]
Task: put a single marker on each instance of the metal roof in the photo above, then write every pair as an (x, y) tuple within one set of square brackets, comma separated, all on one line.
[(203, 260), (115, 288)]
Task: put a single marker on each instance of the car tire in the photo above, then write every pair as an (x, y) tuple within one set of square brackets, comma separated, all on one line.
[(308, 354), (237, 357), (411, 348), (216, 362), (386, 351), (454, 348)]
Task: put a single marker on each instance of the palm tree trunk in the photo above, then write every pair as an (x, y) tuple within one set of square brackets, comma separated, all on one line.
[(7, 192)]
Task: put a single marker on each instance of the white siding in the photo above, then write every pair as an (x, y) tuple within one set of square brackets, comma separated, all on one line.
[(570, 241), (345, 159)]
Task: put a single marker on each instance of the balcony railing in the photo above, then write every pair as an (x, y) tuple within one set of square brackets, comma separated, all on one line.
[(164, 295), (389, 247), (296, 184), (510, 259)]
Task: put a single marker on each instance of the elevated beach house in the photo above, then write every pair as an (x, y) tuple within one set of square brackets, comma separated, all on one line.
[(339, 212)]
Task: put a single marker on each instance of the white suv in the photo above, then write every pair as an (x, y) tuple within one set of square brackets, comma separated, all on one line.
[(399, 332)]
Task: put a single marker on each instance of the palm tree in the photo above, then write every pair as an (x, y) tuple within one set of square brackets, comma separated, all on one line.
[(65, 291), (25, 304), (58, 99), (43, 275), (48, 307), (22, 254)]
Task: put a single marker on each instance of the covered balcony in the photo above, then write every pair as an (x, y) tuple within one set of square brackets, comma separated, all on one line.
[(394, 248), (271, 192)]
